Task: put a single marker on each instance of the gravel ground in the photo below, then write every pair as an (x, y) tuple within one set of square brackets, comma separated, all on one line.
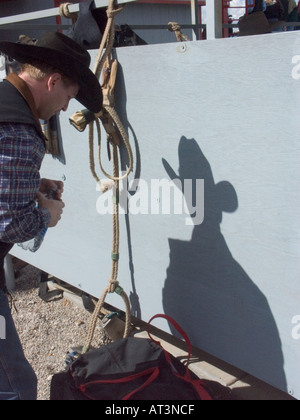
[(48, 331)]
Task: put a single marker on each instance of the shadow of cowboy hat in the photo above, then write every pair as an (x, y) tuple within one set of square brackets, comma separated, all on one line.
[(65, 55), (220, 197)]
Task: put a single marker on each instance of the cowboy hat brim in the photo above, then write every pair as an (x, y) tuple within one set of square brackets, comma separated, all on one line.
[(90, 92)]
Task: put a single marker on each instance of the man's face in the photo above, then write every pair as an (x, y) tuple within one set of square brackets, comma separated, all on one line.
[(57, 97)]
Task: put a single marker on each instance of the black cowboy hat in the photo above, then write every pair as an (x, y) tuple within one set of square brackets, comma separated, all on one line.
[(65, 55)]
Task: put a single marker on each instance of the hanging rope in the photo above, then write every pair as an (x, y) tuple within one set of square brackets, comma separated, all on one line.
[(113, 284), (113, 127), (107, 39)]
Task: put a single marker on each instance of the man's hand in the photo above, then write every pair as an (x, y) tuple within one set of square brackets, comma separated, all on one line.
[(50, 185), (55, 208)]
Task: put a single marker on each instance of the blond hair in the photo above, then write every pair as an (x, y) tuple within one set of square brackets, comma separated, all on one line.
[(38, 71)]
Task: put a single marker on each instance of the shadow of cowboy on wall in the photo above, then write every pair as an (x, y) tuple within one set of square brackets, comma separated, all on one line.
[(208, 292)]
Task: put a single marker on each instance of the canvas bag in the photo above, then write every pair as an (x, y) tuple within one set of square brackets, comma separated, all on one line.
[(130, 369)]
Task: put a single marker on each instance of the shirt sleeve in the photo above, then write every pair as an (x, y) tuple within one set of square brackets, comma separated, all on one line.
[(21, 155)]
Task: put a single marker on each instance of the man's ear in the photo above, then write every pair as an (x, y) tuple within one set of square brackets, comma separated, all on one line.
[(53, 80)]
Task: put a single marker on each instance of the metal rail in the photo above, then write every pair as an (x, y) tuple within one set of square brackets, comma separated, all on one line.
[(9, 22), (34, 26), (19, 21), (46, 13)]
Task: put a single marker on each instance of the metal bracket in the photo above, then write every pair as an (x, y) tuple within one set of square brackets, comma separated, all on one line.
[(44, 292), (113, 326)]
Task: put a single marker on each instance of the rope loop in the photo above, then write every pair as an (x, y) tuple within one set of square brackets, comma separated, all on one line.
[(97, 311)]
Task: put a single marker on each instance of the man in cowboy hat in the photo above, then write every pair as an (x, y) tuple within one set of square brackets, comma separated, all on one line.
[(53, 71)]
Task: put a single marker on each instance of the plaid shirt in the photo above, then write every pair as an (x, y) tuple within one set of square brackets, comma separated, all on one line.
[(21, 155)]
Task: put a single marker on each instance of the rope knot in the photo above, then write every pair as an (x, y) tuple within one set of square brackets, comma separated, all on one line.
[(113, 285), (175, 27), (106, 185), (111, 13), (64, 11)]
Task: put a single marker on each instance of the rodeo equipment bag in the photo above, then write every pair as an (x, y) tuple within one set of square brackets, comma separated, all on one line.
[(130, 369)]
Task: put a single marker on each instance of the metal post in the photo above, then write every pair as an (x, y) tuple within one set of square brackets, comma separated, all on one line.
[(195, 19), (9, 273), (214, 19)]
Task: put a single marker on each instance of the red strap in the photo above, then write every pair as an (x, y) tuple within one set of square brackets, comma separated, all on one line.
[(178, 328), (148, 382), (153, 372), (198, 386), (197, 383), (204, 395)]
